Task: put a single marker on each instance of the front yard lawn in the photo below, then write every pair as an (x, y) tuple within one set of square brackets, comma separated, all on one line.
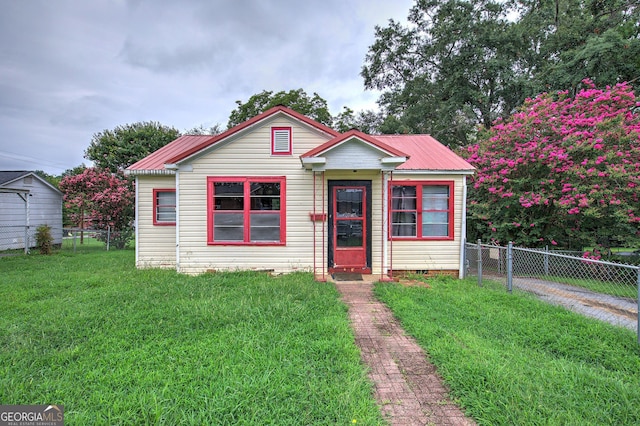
[(511, 359), (115, 345)]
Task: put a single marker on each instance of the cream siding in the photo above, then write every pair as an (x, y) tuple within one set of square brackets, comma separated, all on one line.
[(156, 245), (431, 255), (250, 155)]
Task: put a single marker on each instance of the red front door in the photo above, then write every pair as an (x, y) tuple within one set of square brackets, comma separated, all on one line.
[(349, 228)]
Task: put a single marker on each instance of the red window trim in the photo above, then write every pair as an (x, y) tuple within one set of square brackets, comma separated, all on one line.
[(155, 207), (419, 184), (247, 209), (273, 141)]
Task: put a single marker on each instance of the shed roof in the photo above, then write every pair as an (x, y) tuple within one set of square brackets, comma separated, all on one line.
[(7, 177), (10, 176)]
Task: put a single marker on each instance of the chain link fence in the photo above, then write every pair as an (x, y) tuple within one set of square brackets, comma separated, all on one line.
[(79, 240), (19, 239), (13, 238), (604, 290)]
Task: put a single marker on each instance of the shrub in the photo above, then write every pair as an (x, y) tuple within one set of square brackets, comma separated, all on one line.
[(44, 239)]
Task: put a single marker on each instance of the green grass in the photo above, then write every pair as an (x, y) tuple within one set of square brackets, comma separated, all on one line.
[(116, 345), (513, 360)]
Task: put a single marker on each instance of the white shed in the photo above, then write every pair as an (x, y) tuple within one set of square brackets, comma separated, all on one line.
[(26, 202)]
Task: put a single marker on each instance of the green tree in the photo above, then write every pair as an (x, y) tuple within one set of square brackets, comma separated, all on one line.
[(203, 130), (449, 70), (366, 121), (122, 146), (571, 40), (298, 100), (460, 64)]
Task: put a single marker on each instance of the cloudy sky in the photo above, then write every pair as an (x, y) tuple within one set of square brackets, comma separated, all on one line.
[(72, 68)]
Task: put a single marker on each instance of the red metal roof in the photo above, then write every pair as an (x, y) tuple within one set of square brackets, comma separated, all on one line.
[(157, 159), (425, 153), (188, 145)]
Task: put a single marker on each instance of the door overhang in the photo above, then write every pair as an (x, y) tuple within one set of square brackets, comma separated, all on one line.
[(353, 150)]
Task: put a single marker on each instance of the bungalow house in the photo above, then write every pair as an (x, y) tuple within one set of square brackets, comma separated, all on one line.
[(26, 202), (281, 192)]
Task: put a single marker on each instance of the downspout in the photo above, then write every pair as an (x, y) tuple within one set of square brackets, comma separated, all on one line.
[(383, 251), (463, 227), (177, 182), (313, 218), (137, 220), (27, 231), (324, 226), (390, 233)]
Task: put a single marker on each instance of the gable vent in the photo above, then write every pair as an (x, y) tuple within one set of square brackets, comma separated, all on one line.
[(281, 141)]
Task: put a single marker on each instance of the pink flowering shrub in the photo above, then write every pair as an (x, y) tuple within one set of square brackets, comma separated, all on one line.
[(561, 170), (98, 199)]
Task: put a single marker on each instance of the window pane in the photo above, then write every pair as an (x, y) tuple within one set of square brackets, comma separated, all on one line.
[(228, 227), (265, 188), (228, 195), (349, 202), (408, 230), (435, 230), (265, 196), (166, 214), (265, 227), (403, 198), (403, 224), (435, 198), (349, 233), (166, 198), (435, 224)]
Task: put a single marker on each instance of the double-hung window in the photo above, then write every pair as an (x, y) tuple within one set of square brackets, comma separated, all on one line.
[(164, 206), (422, 210), (246, 210)]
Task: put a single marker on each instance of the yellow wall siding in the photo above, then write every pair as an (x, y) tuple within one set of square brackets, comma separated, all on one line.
[(431, 255), (156, 245), (250, 155)]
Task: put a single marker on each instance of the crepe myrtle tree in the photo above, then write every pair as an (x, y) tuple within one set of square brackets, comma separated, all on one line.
[(102, 200), (562, 171)]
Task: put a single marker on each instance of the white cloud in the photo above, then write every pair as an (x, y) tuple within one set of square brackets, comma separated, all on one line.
[(70, 69)]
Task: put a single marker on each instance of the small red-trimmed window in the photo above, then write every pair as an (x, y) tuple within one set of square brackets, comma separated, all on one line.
[(422, 210), (281, 140), (246, 210), (164, 206)]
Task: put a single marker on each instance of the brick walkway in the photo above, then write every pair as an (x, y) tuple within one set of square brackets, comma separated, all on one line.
[(407, 386)]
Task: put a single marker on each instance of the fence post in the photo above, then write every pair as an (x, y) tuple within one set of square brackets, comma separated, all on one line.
[(510, 267), (75, 235), (479, 259), (108, 236), (546, 260), (638, 281)]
